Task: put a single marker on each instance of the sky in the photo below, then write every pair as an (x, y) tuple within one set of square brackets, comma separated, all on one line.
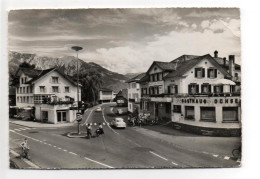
[(126, 40)]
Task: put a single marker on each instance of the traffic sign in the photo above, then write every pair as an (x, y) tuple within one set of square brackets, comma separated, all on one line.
[(79, 115)]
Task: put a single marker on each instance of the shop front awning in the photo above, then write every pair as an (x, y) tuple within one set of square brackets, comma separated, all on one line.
[(224, 82)]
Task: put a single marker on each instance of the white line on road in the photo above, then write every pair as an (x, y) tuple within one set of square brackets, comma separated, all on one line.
[(54, 146), (65, 150), (22, 129), (226, 158), (17, 130), (59, 148), (158, 155), (98, 162), (73, 153), (104, 123), (215, 155), (11, 130), (174, 163), (95, 124), (108, 123)]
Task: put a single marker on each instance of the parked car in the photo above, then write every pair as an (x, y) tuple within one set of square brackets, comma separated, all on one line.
[(98, 109), (118, 123)]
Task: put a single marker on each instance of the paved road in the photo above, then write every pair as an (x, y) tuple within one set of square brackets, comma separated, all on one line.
[(132, 147)]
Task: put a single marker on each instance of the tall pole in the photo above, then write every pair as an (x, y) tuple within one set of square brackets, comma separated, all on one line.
[(77, 48)]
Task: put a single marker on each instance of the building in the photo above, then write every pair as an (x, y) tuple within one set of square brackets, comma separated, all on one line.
[(50, 93), (196, 93), (121, 98), (134, 93), (105, 95)]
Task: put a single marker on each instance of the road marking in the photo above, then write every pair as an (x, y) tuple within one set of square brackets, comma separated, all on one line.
[(89, 116), (174, 163), (104, 123), (32, 165), (95, 124), (73, 153), (49, 144), (215, 155), (59, 148), (158, 155), (65, 150), (11, 130), (17, 130), (108, 123), (54, 146), (22, 129), (226, 158), (98, 162)]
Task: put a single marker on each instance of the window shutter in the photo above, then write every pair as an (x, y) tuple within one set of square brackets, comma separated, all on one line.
[(203, 72), (169, 89), (216, 73), (176, 89), (202, 88), (214, 89), (209, 87), (189, 88), (221, 89), (196, 70), (208, 73), (197, 88)]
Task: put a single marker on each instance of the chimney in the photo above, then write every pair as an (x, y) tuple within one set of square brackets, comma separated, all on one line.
[(232, 66), (224, 61), (216, 54)]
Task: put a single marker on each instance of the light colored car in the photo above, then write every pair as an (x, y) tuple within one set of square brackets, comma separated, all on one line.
[(98, 109), (118, 123)]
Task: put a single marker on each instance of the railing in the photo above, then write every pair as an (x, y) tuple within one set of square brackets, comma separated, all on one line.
[(193, 95)]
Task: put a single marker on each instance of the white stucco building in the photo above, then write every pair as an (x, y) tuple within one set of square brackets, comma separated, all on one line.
[(49, 92), (105, 95), (201, 91)]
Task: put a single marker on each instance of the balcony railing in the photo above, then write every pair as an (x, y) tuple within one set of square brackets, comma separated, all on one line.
[(192, 95)]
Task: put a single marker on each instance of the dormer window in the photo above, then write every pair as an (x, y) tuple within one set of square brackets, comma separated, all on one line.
[(55, 79), (199, 73), (212, 73)]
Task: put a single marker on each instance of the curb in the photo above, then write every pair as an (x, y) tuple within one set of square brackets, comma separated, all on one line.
[(70, 135), (28, 162), (41, 126)]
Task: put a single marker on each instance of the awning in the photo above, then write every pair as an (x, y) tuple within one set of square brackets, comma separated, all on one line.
[(224, 82)]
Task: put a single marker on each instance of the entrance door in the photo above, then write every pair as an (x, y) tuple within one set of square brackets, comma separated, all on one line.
[(61, 116), (156, 109)]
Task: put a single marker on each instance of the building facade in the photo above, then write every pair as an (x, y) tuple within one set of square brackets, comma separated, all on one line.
[(196, 91), (49, 92), (134, 93), (105, 95)]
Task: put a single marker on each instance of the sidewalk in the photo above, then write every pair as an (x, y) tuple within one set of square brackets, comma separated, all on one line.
[(16, 162), (39, 124), (203, 144)]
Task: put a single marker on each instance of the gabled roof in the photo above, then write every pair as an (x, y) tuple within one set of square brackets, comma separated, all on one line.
[(44, 72), (184, 58), (31, 72), (105, 89), (136, 78), (168, 66), (183, 67)]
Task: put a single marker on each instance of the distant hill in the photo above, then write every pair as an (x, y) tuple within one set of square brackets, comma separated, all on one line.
[(131, 75), (113, 80)]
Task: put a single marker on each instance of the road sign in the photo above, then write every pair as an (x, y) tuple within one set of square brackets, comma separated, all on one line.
[(79, 116)]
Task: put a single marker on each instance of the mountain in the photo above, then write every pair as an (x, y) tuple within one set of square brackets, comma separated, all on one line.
[(112, 80), (131, 75)]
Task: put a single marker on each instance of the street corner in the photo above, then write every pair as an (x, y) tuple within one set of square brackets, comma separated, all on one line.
[(18, 162)]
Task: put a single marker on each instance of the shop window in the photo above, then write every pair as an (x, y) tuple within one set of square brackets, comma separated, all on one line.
[(212, 73), (189, 112), (218, 89), (199, 73), (230, 114), (205, 88), (177, 108), (193, 88), (208, 114)]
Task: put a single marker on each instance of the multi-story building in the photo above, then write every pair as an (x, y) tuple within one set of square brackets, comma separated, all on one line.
[(195, 91), (50, 92), (105, 95), (134, 93)]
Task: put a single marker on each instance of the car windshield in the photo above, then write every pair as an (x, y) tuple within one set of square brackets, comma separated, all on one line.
[(119, 120)]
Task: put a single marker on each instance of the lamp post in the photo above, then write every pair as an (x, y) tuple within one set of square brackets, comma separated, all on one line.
[(77, 48)]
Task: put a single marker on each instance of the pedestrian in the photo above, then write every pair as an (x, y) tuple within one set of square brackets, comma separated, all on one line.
[(89, 133), (25, 148), (140, 122)]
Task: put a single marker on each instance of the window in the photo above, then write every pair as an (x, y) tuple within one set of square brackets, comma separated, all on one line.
[(27, 100), (193, 88), (129, 95), (207, 114), (151, 77), (67, 89), (230, 114), (173, 89), (160, 76), (212, 73), (133, 85), (28, 89), (55, 89), (199, 72), (218, 89), (189, 112), (42, 89), (55, 79), (177, 108), (155, 77), (205, 88)]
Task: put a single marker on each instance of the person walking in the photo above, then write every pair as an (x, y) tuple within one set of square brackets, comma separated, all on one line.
[(89, 128), (25, 148)]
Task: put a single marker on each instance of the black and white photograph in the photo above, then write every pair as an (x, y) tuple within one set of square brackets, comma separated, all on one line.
[(124, 88)]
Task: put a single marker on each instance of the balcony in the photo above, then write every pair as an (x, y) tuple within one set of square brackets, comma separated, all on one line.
[(191, 95)]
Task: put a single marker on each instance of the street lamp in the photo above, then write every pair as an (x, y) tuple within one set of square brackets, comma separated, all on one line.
[(77, 48)]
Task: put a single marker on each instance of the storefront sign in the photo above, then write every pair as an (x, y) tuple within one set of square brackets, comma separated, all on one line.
[(161, 99), (208, 101)]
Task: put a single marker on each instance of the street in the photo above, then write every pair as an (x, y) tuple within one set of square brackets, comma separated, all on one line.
[(133, 147)]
